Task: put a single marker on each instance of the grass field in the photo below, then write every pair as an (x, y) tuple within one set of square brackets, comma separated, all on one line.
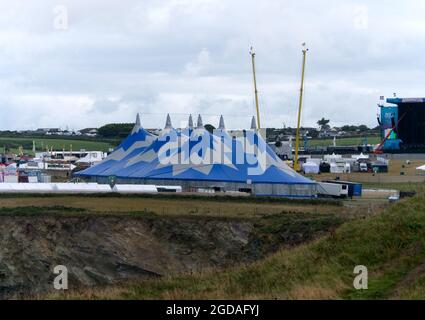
[(167, 206), (14, 143), (344, 141), (395, 168)]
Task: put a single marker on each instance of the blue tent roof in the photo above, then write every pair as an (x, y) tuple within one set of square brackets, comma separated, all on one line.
[(195, 154), (138, 140)]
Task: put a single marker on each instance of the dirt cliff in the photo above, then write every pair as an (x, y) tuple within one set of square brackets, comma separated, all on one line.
[(100, 250)]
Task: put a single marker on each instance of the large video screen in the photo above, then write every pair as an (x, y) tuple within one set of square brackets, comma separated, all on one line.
[(411, 128)]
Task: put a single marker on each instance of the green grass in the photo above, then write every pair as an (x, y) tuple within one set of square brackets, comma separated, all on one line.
[(14, 143), (66, 211), (414, 290), (37, 210), (344, 141), (174, 196), (390, 244), (408, 187)]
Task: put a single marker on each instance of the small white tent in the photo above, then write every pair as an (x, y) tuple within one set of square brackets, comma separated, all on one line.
[(421, 170), (360, 156), (310, 167)]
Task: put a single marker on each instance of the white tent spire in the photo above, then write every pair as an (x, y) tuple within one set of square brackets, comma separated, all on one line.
[(199, 125), (137, 125), (253, 124), (221, 124), (168, 124), (190, 122), (138, 119)]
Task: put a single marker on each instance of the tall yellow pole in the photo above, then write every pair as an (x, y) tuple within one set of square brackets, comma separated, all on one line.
[(297, 139), (255, 87)]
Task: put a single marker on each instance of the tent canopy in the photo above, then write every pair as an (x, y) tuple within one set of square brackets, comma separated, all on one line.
[(195, 154), (310, 167)]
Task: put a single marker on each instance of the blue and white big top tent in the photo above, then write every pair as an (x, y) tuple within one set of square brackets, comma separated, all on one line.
[(194, 158), (138, 140)]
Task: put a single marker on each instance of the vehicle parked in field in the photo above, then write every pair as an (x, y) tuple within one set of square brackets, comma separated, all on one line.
[(333, 190), (354, 188), (363, 167)]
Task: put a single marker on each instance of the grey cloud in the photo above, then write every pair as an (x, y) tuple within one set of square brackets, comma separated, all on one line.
[(183, 56)]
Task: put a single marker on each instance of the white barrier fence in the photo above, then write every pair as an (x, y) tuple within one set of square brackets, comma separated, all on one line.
[(81, 188), (134, 188)]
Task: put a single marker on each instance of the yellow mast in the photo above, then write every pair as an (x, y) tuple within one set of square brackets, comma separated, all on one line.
[(255, 87), (297, 139)]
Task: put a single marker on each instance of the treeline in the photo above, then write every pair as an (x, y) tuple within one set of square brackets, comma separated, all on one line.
[(360, 128), (107, 133), (351, 129), (115, 130)]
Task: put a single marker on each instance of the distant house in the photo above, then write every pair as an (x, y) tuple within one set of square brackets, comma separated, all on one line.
[(323, 134), (68, 133), (21, 132), (42, 130), (53, 131), (89, 132), (48, 131)]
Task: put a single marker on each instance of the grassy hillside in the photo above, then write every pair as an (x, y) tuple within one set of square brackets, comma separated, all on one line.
[(344, 141), (14, 143), (173, 206), (391, 244)]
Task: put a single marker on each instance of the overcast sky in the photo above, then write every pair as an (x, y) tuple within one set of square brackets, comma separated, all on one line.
[(82, 63)]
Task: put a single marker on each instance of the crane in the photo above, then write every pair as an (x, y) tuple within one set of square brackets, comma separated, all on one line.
[(297, 138), (252, 53)]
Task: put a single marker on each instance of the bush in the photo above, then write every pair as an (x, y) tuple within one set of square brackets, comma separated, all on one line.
[(116, 130)]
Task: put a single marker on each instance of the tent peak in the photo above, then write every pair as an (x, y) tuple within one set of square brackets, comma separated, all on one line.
[(221, 125), (137, 125), (190, 122), (168, 124), (253, 123), (199, 124)]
